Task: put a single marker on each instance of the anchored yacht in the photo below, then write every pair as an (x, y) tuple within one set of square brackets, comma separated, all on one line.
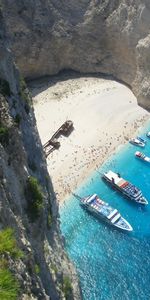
[(103, 210), (124, 187)]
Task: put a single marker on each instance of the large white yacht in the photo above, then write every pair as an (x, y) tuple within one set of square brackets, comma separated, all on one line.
[(103, 210)]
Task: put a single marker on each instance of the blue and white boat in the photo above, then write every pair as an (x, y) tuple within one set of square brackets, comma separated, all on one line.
[(137, 142), (104, 211), (141, 139), (124, 187)]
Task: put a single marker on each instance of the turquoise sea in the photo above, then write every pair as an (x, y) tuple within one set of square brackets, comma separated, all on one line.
[(112, 264)]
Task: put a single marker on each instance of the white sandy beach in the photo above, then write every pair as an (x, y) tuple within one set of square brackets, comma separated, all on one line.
[(105, 115)]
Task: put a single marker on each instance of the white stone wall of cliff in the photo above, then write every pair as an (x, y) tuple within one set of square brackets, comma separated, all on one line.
[(84, 35), (47, 36), (22, 156)]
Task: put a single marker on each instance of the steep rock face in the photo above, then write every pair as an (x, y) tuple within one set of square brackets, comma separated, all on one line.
[(108, 36), (44, 268)]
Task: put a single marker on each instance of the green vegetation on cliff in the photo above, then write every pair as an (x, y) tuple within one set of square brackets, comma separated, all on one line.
[(34, 195), (8, 244), (9, 286), (4, 88), (4, 135), (67, 287), (24, 94)]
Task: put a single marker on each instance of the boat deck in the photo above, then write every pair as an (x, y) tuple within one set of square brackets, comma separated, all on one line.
[(102, 207), (128, 188)]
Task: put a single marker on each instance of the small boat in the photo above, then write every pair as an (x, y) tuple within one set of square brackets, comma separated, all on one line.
[(148, 134), (137, 142), (141, 139), (103, 210), (124, 187), (142, 156)]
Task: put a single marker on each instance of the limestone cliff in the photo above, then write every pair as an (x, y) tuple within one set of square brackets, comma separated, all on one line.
[(46, 36), (108, 36), (27, 200)]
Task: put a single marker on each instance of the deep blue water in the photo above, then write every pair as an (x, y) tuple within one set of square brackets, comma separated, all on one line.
[(111, 264)]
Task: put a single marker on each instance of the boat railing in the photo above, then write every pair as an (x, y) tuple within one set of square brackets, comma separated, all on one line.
[(116, 217), (112, 213)]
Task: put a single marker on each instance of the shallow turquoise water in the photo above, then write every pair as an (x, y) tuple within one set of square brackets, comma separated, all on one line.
[(111, 264)]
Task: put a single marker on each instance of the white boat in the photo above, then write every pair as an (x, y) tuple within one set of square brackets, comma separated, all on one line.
[(124, 187), (137, 142), (103, 210), (148, 134), (142, 156), (141, 139)]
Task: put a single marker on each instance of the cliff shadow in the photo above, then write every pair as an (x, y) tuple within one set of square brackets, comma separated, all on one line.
[(38, 85)]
